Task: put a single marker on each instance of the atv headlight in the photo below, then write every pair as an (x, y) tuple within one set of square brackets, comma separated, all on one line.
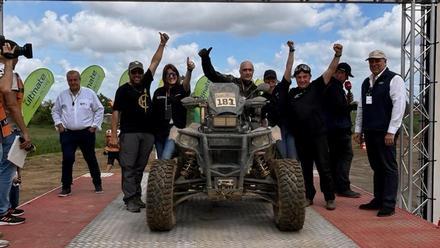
[(225, 121), (260, 141), (188, 141)]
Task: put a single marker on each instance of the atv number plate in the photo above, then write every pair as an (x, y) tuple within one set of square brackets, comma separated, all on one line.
[(225, 100)]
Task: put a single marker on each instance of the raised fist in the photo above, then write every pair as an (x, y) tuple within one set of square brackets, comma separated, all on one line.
[(338, 49), (164, 38), (205, 52), (190, 64)]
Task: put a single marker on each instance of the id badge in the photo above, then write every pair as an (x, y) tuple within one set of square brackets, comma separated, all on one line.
[(369, 100)]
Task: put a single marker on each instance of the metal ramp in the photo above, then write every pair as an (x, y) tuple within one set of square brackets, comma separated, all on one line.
[(202, 223)]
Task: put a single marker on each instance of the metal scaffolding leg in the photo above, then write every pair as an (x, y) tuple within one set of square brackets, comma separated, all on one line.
[(417, 136)]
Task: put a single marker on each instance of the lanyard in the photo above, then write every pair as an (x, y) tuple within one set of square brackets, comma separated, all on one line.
[(74, 97)]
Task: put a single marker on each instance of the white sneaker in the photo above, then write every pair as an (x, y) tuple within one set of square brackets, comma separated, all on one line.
[(4, 243)]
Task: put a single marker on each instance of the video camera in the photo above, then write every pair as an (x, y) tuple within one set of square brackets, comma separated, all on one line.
[(26, 50)]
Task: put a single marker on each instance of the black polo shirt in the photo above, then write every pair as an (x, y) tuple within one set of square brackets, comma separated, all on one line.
[(305, 115)]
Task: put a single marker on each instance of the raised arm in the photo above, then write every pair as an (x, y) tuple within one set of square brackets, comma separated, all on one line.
[(157, 57), (327, 75), (209, 70), (290, 60), (187, 80)]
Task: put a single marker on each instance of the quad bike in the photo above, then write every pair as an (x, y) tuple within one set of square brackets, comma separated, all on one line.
[(226, 156)]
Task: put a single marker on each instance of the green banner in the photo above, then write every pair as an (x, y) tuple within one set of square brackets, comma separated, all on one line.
[(200, 90), (259, 81), (92, 77), (124, 78), (36, 86)]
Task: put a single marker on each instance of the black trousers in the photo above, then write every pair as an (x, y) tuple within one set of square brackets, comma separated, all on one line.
[(315, 149), (70, 141), (341, 155), (382, 160)]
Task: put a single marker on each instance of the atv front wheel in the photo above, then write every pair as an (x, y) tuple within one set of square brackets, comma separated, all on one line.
[(289, 211), (161, 214)]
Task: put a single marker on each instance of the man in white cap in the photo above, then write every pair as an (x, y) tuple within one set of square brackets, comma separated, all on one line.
[(379, 117), (132, 109)]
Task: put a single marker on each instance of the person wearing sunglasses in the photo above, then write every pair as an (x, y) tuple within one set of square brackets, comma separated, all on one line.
[(132, 109), (307, 124), (244, 82), (168, 110)]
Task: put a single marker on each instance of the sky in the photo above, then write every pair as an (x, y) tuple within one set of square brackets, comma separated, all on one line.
[(74, 35)]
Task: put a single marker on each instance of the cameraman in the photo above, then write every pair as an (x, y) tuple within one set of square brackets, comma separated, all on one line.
[(9, 107)]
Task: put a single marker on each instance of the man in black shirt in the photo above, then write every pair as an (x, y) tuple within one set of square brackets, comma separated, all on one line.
[(337, 108), (307, 123), (133, 111)]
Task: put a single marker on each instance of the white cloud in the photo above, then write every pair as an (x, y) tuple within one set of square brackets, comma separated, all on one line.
[(117, 33), (232, 62)]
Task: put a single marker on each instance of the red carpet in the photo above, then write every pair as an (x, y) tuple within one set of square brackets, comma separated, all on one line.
[(367, 230), (52, 221)]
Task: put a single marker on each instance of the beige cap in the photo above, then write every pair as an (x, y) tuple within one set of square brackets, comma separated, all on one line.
[(135, 65), (376, 54)]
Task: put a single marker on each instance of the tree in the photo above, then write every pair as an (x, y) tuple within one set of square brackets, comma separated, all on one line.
[(43, 115), (106, 102)]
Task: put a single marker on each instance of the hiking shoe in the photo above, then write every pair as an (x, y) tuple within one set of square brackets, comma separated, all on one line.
[(350, 194), (133, 207), (16, 212), (65, 192), (98, 189), (330, 205), (140, 203), (10, 220), (4, 243)]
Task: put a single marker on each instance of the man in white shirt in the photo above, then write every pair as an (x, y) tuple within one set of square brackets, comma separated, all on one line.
[(379, 117), (77, 114)]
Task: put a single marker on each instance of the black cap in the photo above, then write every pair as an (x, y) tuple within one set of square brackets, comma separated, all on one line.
[(270, 74), (345, 68)]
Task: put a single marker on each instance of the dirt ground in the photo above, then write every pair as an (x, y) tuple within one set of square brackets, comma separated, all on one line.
[(43, 173)]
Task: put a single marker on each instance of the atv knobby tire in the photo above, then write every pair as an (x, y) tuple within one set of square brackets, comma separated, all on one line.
[(289, 211), (161, 214)]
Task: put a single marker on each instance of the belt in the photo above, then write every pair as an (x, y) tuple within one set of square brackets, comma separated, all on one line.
[(71, 130)]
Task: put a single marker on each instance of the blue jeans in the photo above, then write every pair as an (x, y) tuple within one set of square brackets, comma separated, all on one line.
[(164, 147), (287, 145), (7, 173)]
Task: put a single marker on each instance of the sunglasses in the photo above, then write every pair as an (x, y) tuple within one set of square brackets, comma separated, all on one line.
[(302, 68), (171, 74), (137, 72)]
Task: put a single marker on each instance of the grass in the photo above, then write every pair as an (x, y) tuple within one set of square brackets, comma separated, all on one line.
[(46, 138)]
